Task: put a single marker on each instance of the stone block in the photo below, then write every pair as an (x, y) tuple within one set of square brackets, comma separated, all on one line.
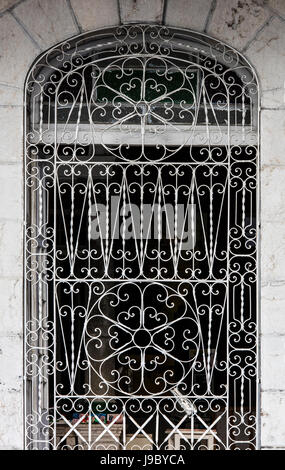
[(272, 419), (273, 194), (141, 10), (11, 362), (11, 192), (187, 13), (273, 362), (278, 6), (272, 128), (11, 306), (11, 252), (267, 54), (272, 315), (11, 134), (11, 424), (236, 22), (17, 51), (272, 251), (47, 22), (273, 99), (4, 4), (93, 15), (10, 95)]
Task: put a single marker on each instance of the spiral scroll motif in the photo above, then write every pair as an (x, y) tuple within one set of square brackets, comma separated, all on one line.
[(159, 334)]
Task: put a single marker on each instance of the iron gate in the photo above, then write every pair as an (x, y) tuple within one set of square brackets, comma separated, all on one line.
[(140, 240)]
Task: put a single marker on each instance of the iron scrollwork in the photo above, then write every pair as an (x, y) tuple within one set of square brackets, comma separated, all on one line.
[(141, 321)]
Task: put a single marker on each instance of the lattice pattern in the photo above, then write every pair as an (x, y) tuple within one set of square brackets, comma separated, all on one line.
[(141, 248)]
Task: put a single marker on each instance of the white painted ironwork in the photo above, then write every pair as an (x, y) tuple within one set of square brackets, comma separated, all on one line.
[(141, 250)]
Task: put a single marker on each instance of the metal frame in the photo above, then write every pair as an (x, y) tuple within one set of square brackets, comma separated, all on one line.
[(56, 157)]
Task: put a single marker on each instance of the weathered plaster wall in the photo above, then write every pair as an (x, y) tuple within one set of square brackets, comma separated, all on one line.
[(257, 28)]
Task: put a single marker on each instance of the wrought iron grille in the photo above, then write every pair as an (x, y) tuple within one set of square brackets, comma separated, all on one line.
[(141, 251)]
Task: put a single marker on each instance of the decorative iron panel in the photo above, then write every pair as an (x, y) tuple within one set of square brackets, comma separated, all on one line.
[(141, 158)]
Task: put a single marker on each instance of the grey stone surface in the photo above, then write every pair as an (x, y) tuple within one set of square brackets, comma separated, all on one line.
[(278, 6), (4, 4), (141, 10), (273, 194), (96, 14), (17, 51), (187, 13), (11, 241), (273, 98), (47, 22), (272, 146), (11, 306), (11, 133), (273, 362), (10, 95), (273, 308), (237, 21), (267, 54), (11, 406), (272, 251), (11, 356), (11, 192), (272, 419)]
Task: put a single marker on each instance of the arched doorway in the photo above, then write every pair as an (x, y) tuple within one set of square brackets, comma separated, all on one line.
[(141, 262)]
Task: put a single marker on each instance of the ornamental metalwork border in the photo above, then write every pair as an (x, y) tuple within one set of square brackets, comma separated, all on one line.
[(167, 352)]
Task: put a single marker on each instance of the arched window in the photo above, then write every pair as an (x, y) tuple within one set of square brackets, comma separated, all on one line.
[(141, 246)]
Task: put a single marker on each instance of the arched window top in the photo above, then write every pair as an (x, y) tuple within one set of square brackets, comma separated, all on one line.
[(145, 40), (145, 85)]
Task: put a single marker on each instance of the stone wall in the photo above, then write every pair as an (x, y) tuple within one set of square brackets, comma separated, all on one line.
[(255, 27)]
